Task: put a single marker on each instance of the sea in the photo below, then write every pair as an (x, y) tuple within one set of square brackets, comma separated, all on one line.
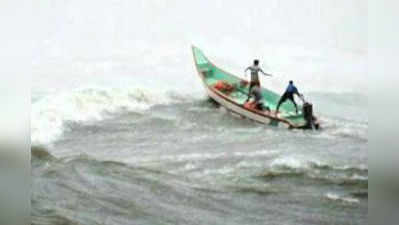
[(122, 131)]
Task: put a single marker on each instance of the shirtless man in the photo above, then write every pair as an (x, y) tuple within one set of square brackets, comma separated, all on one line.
[(255, 69)]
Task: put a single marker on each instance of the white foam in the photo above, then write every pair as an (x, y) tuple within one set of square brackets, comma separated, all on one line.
[(295, 163), (336, 197), (257, 153), (49, 113), (348, 167), (359, 177)]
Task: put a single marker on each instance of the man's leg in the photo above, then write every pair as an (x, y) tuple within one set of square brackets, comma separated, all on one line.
[(251, 85), (278, 105), (296, 107), (282, 99), (259, 105), (293, 101)]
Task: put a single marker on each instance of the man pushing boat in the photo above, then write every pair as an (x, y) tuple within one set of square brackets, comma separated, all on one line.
[(232, 95), (289, 94), (255, 69)]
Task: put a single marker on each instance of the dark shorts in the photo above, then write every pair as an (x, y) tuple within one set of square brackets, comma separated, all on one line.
[(286, 96), (252, 84)]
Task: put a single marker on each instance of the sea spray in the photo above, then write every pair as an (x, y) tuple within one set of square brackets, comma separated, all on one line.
[(50, 113)]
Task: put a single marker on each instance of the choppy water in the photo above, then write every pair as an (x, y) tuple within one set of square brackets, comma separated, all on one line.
[(186, 161), (122, 132)]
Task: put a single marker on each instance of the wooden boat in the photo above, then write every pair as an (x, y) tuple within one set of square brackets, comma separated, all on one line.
[(234, 94)]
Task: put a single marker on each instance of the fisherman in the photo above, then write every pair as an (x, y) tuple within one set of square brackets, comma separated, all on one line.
[(289, 94), (255, 69), (256, 92)]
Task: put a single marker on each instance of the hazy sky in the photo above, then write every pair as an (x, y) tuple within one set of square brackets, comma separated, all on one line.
[(317, 42), (100, 24)]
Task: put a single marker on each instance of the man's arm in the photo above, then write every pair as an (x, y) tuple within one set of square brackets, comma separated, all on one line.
[(297, 92), (302, 98), (245, 71), (299, 95), (266, 74)]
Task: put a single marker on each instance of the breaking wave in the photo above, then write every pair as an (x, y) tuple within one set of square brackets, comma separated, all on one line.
[(316, 170), (342, 199), (50, 114), (300, 164)]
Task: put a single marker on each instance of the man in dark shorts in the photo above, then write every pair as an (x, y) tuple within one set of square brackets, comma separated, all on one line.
[(289, 94), (256, 93), (255, 69)]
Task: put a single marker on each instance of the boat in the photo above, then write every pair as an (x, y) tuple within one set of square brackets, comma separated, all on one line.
[(231, 92)]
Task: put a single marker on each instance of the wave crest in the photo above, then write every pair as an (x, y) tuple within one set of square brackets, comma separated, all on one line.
[(342, 199), (289, 167), (50, 113)]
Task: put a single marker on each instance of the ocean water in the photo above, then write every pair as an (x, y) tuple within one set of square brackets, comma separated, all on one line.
[(123, 133)]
